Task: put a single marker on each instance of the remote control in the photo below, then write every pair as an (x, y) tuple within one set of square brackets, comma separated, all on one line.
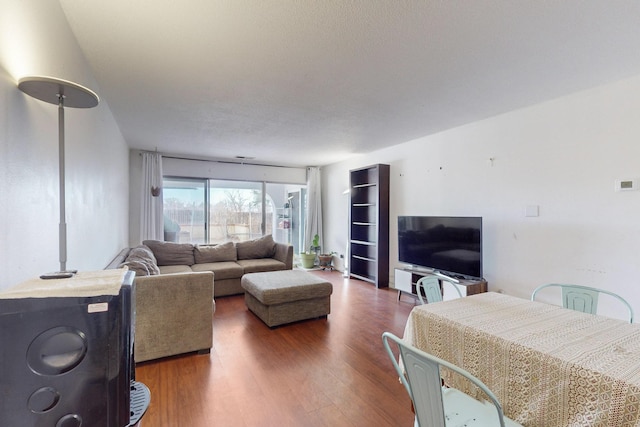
[(58, 275)]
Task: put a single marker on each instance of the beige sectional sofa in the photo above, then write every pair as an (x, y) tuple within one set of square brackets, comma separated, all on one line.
[(174, 315), (176, 285)]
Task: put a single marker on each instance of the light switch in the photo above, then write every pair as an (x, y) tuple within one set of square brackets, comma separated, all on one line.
[(626, 184)]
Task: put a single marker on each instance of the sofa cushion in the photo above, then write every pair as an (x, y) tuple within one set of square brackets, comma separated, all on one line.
[(264, 247), (141, 261), (221, 270), (172, 269), (169, 253), (262, 264), (215, 253)]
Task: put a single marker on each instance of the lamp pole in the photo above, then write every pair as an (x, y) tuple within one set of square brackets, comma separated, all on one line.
[(62, 229)]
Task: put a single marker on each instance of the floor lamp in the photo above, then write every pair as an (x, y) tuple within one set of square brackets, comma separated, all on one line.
[(63, 94)]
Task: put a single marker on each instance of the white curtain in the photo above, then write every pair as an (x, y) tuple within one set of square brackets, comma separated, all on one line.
[(151, 215), (314, 207)]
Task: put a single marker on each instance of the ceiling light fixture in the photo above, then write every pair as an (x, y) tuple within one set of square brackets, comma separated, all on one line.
[(62, 93)]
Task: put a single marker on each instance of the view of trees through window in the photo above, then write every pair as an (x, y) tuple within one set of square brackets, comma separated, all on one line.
[(236, 214), (215, 211)]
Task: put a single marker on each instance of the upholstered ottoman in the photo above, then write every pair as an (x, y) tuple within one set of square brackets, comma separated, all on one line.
[(280, 297)]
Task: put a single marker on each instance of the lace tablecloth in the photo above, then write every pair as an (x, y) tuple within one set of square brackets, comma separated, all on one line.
[(549, 366)]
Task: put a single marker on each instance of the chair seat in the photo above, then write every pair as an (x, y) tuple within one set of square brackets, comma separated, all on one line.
[(462, 409)]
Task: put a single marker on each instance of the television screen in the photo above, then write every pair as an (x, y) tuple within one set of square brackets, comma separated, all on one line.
[(449, 245)]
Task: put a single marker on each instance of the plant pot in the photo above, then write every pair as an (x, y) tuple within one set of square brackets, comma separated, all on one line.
[(325, 260), (308, 260)]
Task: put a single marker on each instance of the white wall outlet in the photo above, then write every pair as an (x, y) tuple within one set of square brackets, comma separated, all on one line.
[(627, 184)]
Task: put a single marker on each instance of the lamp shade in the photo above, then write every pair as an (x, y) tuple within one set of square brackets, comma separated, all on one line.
[(49, 89)]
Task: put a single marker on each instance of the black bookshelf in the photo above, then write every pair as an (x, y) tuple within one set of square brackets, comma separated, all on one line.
[(369, 224)]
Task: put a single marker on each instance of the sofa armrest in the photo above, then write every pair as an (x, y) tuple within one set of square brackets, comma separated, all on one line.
[(284, 253), (174, 314)]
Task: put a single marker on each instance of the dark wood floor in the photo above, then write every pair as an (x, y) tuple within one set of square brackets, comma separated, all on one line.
[(325, 372)]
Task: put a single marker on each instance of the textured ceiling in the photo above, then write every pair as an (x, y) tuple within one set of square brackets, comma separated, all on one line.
[(306, 82)]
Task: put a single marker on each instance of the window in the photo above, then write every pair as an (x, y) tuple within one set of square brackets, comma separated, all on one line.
[(235, 211), (215, 211), (184, 210)]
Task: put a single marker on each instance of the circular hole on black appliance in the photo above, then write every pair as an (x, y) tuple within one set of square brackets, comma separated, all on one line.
[(71, 420), (43, 400), (57, 350)]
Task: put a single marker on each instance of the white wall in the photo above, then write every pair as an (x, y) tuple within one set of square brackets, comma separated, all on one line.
[(563, 156), (35, 39)]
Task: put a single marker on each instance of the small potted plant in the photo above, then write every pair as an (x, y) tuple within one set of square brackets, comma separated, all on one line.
[(315, 244), (326, 260), (308, 259)]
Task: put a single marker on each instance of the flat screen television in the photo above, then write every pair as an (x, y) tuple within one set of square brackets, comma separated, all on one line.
[(448, 245)]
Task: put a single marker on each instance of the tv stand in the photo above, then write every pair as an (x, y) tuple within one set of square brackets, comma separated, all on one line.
[(406, 279)]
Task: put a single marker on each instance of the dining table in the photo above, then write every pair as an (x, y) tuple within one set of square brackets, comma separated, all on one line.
[(549, 366)]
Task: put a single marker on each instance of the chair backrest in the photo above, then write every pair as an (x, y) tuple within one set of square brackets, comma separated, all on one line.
[(423, 382), (430, 287), (583, 298)]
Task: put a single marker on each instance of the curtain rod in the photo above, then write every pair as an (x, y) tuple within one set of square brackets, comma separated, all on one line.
[(219, 161)]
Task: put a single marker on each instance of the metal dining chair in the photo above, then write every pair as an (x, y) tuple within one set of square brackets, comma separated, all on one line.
[(437, 405), (582, 298), (430, 287)]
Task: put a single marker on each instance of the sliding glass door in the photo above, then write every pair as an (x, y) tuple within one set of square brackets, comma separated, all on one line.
[(185, 202), (215, 211), (287, 213), (235, 211)]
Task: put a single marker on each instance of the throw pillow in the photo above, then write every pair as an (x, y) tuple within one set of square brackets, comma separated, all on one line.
[(142, 251), (141, 260), (139, 267), (264, 247), (169, 253), (217, 253)]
